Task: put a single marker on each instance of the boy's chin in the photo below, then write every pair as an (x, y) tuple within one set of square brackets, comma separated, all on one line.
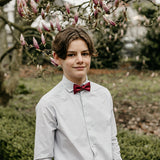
[(80, 75)]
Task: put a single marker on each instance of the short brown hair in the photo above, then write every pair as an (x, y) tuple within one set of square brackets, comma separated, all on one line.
[(66, 36)]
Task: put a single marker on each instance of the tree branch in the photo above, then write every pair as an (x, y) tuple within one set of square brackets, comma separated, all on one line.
[(8, 51), (16, 26)]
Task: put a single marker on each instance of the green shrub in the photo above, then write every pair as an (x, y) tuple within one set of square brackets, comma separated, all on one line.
[(138, 147), (17, 135), (149, 45), (108, 43), (22, 89), (150, 48)]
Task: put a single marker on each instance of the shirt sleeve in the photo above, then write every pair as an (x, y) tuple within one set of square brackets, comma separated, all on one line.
[(115, 145), (45, 131)]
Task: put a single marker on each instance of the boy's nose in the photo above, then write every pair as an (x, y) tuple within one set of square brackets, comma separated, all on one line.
[(79, 58)]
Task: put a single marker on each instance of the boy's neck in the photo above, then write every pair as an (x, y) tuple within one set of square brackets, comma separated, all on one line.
[(78, 82)]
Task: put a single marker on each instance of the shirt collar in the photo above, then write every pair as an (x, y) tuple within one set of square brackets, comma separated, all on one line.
[(69, 84)]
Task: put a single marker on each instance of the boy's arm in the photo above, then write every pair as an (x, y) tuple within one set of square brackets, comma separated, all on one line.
[(45, 132), (115, 145)]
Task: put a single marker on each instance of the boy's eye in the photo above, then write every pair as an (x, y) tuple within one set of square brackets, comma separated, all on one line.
[(85, 54), (70, 55)]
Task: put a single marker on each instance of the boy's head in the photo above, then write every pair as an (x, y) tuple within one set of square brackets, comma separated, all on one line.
[(66, 36)]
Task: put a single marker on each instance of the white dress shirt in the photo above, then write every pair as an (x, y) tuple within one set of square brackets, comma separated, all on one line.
[(76, 126)]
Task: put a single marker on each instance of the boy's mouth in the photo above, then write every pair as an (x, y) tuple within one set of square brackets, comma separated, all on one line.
[(79, 67)]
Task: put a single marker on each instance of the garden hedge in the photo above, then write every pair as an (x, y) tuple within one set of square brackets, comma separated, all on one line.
[(16, 135)]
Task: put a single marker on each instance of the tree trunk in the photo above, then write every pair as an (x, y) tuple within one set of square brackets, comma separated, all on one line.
[(3, 40), (3, 46), (9, 67)]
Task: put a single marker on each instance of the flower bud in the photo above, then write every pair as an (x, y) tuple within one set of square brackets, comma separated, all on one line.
[(39, 29), (116, 3), (96, 13), (20, 11), (35, 43), (45, 27), (48, 7), (112, 23), (58, 25), (43, 39), (42, 13), (122, 32), (34, 6), (23, 3), (101, 3), (67, 8), (106, 9), (95, 2), (20, 8), (76, 17), (53, 61), (51, 24), (105, 19), (23, 43)]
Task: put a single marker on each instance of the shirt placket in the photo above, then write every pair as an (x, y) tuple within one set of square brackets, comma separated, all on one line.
[(89, 124)]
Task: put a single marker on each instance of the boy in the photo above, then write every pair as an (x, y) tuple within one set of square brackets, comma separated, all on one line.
[(75, 120)]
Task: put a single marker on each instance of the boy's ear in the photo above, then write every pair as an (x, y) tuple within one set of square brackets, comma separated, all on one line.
[(56, 58)]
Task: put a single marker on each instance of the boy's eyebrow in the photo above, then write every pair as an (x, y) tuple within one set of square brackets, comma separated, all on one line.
[(71, 51), (76, 51), (86, 50)]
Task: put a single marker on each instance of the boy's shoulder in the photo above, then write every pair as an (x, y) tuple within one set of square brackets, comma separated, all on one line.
[(55, 93), (99, 88)]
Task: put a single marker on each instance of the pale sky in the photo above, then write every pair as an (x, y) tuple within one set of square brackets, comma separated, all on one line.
[(76, 2), (80, 1)]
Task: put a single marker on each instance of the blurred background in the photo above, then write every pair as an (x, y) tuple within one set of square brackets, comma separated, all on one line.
[(126, 35)]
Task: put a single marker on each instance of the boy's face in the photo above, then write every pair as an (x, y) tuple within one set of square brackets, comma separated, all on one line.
[(77, 62)]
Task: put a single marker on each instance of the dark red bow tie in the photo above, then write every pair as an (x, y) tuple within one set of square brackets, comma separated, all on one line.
[(78, 88)]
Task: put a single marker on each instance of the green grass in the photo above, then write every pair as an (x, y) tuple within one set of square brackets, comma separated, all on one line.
[(17, 120), (134, 87)]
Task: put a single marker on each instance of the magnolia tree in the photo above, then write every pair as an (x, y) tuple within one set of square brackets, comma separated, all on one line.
[(91, 14)]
